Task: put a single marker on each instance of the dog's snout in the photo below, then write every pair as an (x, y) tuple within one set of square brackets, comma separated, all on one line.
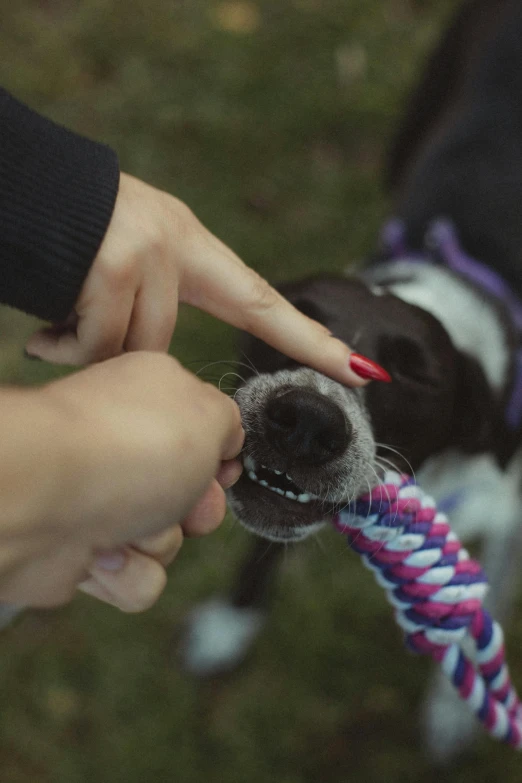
[(306, 427)]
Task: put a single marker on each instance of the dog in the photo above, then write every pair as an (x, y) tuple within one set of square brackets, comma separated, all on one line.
[(438, 309)]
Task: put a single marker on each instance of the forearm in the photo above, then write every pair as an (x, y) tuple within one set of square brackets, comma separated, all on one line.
[(38, 474), (32, 459), (57, 194)]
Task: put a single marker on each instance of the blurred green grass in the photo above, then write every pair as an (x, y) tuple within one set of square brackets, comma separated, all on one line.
[(270, 119)]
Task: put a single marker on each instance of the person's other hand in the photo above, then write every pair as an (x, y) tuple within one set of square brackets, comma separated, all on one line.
[(112, 466), (133, 578), (155, 254)]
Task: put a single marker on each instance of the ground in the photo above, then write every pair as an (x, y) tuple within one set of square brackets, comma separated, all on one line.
[(270, 118)]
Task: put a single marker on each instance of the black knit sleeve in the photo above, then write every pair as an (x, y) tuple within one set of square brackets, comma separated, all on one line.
[(57, 194)]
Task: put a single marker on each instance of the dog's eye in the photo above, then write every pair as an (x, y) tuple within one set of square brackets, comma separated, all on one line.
[(406, 360)]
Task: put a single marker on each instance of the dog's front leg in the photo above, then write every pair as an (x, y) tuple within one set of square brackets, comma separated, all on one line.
[(221, 631)]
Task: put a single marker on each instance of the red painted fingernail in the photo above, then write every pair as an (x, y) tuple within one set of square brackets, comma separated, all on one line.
[(365, 368)]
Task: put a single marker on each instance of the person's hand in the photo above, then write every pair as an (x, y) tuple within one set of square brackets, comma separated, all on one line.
[(129, 578), (112, 466), (155, 254)]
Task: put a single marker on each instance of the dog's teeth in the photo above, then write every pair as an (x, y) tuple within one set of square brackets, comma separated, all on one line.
[(265, 467), (303, 497), (249, 463), (289, 477)]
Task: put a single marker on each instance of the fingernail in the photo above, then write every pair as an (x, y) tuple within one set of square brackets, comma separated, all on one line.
[(365, 368), (110, 561)]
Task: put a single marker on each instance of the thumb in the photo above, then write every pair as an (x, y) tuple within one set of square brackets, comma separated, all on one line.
[(127, 579), (55, 344)]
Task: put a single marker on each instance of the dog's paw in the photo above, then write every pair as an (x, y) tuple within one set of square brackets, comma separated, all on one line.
[(217, 637), (449, 726)]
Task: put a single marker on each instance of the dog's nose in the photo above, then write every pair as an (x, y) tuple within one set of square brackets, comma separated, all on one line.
[(306, 427)]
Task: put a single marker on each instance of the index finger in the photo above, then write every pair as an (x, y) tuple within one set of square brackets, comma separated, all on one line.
[(228, 418), (217, 281)]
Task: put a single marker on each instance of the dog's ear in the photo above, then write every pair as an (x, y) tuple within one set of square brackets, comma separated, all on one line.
[(478, 415)]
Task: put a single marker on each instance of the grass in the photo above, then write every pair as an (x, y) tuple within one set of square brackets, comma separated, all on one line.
[(270, 119)]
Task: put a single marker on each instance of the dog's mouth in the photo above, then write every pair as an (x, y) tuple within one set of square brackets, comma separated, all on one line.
[(271, 503), (297, 471), (277, 481)]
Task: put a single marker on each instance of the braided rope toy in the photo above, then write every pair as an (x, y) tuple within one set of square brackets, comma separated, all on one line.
[(438, 592)]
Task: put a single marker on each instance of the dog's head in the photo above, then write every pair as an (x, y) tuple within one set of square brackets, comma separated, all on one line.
[(313, 444)]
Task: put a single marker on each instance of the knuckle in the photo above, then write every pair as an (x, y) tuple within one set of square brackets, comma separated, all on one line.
[(219, 404), (236, 423), (263, 296), (155, 239), (120, 275), (182, 220), (207, 517), (165, 546), (232, 408), (212, 392)]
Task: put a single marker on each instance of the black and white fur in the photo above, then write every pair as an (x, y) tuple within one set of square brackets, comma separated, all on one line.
[(313, 444)]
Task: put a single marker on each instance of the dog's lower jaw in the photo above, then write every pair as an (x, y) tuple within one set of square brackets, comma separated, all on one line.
[(283, 530), (284, 536)]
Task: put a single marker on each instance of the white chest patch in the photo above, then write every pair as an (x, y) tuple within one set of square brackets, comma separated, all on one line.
[(479, 498), (472, 324)]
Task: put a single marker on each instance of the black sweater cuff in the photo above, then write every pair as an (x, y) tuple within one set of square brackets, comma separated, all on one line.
[(57, 194)]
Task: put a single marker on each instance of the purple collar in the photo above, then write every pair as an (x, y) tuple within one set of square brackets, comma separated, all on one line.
[(442, 245)]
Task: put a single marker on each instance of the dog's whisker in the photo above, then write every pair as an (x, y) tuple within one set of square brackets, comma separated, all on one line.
[(383, 462), (399, 454), (380, 506), (212, 364), (352, 498), (230, 373), (250, 364), (230, 362)]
